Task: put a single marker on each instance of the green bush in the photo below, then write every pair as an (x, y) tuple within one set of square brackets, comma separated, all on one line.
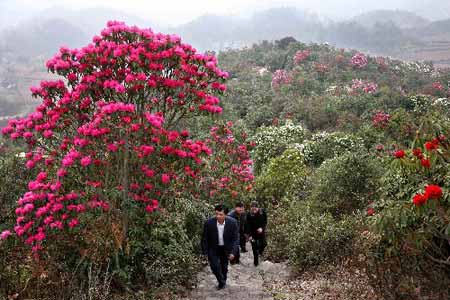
[(317, 237), (284, 175), (326, 145), (346, 183), (278, 231)]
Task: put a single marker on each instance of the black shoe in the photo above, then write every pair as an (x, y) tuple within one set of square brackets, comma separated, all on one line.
[(221, 286)]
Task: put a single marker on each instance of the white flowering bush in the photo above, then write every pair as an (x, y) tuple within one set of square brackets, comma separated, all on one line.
[(326, 145), (273, 141)]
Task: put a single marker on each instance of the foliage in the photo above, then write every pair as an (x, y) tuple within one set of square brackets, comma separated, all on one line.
[(346, 183), (273, 141), (316, 237), (284, 175), (324, 145)]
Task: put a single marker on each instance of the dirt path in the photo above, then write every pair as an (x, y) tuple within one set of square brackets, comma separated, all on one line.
[(245, 281)]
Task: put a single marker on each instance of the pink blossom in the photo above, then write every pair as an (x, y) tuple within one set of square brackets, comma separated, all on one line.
[(280, 77), (86, 161), (5, 234), (73, 223), (154, 120), (165, 178), (112, 147), (359, 60), (301, 56), (61, 172)]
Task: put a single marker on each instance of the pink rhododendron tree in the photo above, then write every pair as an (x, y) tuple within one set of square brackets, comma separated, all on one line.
[(359, 60), (301, 56), (280, 77), (230, 173), (367, 87), (381, 119), (107, 138)]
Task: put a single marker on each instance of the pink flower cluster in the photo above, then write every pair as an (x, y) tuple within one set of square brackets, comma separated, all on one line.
[(365, 86), (381, 119), (438, 86), (359, 60), (301, 56), (280, 77), (231, 153)]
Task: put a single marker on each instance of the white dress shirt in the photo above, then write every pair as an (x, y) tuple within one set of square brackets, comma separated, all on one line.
[(220, 228)]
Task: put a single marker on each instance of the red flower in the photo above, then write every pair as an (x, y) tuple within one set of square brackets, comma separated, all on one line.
[(425, 163), (433, 191), (399, 154), (417, 152), (430, 146), (370, 211), (420, 199)]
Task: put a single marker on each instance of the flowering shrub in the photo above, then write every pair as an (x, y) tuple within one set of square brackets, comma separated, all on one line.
[(280, 77), (273, 141), (438, 86), (301, 56), (107, 140), (230, 171), (364, 86), (413, 210), (326, 145), (381, 119), (359, 60)]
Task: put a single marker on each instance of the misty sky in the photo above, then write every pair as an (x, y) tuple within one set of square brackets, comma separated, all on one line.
[(173, 12)]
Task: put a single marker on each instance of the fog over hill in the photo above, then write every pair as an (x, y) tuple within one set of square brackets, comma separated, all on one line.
[(32, 31)]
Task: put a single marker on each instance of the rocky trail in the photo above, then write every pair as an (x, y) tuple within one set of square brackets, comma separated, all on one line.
[(245, 281)]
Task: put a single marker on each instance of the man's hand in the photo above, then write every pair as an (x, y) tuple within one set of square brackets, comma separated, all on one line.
[(260, 230), (231, 257)]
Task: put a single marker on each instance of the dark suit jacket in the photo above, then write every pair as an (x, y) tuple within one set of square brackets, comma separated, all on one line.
[(210, 237), (256, 221), (241, 220)]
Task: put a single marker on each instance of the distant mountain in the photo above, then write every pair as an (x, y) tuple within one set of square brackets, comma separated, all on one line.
[(384, 32), (93, 20), (437, 28), (402, 19), (45, 32), (41, 37), (212, 32)]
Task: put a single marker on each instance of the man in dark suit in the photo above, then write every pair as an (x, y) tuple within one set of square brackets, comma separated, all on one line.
[(220, 241), (256, 229), (238, 213)]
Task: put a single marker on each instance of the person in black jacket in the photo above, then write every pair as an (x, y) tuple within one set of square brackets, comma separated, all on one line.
[(256, 229), (238, 213), (220, 241)]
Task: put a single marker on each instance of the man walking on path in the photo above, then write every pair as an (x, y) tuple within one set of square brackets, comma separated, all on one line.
[(256, 228), (238, 213), (220, 241)]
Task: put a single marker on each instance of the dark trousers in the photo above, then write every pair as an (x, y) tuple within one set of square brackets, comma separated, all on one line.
[(218, 261), (258, 246), (242, 241)]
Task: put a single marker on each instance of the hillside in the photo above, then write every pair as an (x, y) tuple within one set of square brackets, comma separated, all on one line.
[(400, 18)]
